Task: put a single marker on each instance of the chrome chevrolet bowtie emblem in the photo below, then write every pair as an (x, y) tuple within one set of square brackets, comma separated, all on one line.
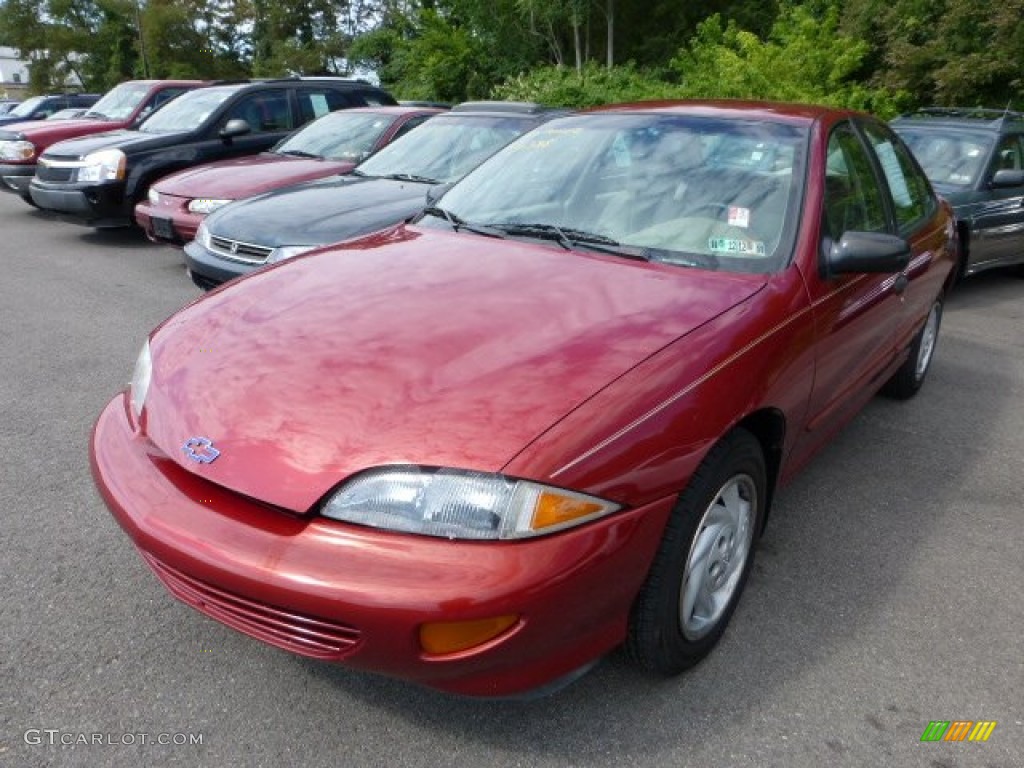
[(200, 449)]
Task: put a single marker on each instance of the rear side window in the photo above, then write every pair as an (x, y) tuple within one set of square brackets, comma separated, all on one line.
[(853, 200), (317, 102), (911, 194)]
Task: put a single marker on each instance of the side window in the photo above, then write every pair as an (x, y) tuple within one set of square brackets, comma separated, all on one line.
[(314, 103), (265, 111), (853, 201), (910, 191), (373, 99), (1009, 155), (162, 97), (411, 123)]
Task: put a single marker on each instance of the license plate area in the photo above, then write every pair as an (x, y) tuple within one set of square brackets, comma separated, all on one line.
[(163, 228)]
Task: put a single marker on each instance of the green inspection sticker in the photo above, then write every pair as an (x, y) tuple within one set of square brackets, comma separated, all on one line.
[(736, 245)]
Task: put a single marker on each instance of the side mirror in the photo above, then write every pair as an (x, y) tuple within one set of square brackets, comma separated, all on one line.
[(1008, 177), (858, 252), (235, 127)]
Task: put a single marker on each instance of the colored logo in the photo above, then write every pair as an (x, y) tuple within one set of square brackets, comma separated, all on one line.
[(200, 449), (958, 730)]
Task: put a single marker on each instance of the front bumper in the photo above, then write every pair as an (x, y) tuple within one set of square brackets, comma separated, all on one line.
[(16, 178), (98, 205), (356, 595), (208, 270), (169, 220)]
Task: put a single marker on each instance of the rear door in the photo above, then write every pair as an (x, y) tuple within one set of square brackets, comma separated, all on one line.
[(917, 218)]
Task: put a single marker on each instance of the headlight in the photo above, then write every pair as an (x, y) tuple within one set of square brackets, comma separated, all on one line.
[(203, 235), (106, 165), (460, 505), (18, 151), (154, 196), (140, 379), (206, 205), (287, 252)]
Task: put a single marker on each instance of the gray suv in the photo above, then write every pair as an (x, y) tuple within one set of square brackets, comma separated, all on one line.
[(975, 159)]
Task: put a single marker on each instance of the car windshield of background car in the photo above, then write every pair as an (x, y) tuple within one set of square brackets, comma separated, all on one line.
[(685, 190), (951, 158), (337, 136), (119, 103), (27, 107), (188, 111), (445, 148)]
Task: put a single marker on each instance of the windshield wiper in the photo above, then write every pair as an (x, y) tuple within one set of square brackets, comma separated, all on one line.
[(409, 177), (457, 223), (296, 153), (570, 238)]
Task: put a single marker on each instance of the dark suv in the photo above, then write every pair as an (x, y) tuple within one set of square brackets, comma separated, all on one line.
[(975, 159), (97, 180), (124, 106), (41, 107)]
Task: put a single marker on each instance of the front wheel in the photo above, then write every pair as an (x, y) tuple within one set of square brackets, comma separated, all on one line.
[(910, 376), (703, 561)]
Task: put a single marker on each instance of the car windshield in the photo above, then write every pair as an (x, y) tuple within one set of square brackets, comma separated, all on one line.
[(709, 192), (953, 158), (446, 147), (27, 107), (188, 111), (119, 103), (338, 136)]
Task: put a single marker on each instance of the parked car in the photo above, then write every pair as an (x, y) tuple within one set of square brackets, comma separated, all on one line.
[(480, 451), (98, 180), (385, 189), (68, 114), (124, 106), (6, 105), (330, 145), (41, 107), (975, 159)]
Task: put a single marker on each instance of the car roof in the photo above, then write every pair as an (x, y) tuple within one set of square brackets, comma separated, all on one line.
[(972, 118), (388, 109), (775, 111)]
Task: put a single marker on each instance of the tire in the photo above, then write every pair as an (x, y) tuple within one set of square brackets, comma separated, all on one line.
[(703, 561), (28, 199), (908, 379)]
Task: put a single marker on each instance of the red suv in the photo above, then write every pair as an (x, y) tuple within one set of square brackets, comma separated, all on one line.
[(127, 104)]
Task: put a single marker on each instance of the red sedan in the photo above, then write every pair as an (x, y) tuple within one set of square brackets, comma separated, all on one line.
[(547, 419), (333, 144)]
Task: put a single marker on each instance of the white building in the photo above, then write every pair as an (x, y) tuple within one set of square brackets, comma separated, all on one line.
[(13, 73)]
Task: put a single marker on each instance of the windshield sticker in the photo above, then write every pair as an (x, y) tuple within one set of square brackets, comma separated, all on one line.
[(736, 245), (739, 217)]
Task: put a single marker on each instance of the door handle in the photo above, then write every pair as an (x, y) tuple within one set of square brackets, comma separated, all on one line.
[(901, 283)]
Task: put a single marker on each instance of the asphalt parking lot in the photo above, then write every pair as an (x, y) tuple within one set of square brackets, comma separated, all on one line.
[(886, 593)]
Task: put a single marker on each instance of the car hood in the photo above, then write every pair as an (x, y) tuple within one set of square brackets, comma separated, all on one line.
[(119, 139), (319, 212), (48, 131), (408, 347), (248, 176)]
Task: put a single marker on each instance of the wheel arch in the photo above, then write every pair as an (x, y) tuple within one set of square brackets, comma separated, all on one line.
[(768, 426)]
